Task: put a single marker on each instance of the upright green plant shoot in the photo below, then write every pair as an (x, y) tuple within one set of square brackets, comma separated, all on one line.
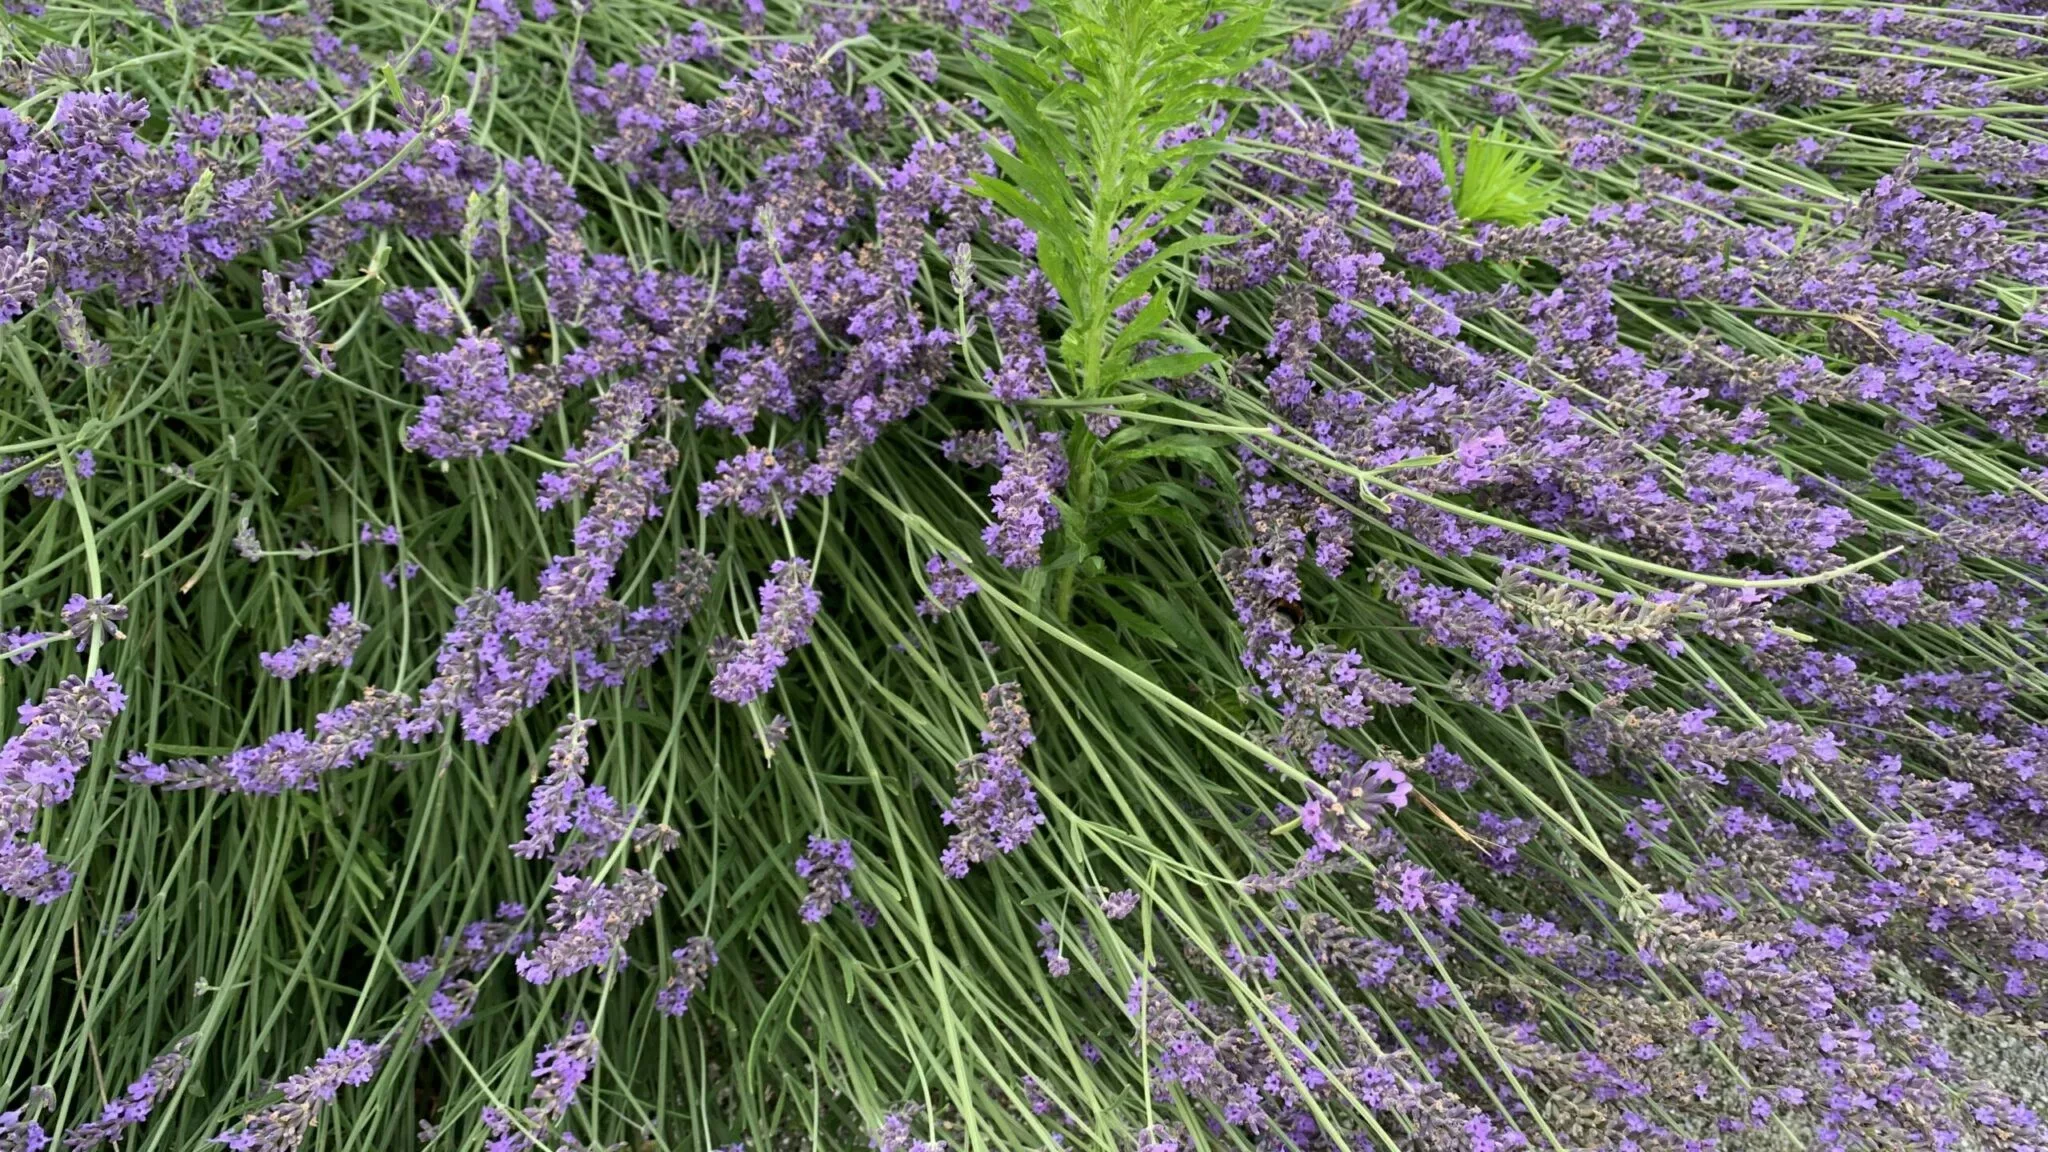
[(1498, 181), (1115, 116)]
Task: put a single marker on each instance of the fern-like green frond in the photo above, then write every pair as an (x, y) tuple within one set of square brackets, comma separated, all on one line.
[(1498, 182)]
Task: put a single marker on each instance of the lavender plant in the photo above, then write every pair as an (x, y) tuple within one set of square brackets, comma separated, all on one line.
[(1126, 574)]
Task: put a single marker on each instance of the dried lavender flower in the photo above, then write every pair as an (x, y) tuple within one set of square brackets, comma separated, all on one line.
[(288, 309)]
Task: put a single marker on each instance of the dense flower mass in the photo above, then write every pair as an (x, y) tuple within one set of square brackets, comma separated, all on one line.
[(1522, 529), (39, 769), (994, 808)]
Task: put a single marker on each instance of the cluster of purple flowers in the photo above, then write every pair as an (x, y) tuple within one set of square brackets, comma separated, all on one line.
[(994, 809), (559, 1073), (135, 1103), (693, 963), (38, 769), (1545, 486), (826, 867), (282, 1127), (336, 649), (789, 603)]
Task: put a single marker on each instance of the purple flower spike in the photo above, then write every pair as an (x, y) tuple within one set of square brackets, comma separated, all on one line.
[(1023, 498), (1341, 815), (588, 923), (37, 769), (950, 587), (693, 961), (288, 309), (788, 606), (337, 649), (282, 1127), (133, 1106), (475, 405), (826, 864), (994, 808), (559, 1073), (95, 618)]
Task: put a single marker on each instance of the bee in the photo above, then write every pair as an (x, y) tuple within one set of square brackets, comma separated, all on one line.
[(1291, 609)]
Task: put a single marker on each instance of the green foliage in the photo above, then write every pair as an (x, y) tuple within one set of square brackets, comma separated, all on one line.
[(1114, 118), (1498, 182)]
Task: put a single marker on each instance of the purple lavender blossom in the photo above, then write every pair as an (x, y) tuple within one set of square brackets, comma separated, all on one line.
[(789, 604), (20, 1134), (950, 587), (22, 276), (75, 332), (693, 963), (1056, 962), (289, 761), (337, 649), (1340, 816), (893, 1134), (133, 1107), (37, 768), (287, 308), (559, 1073), (994, 808), (1023, 498), (475, 404), (19, 646), (825, 865), (282, 1127), (563, 805), (89, 620), (588, 923)]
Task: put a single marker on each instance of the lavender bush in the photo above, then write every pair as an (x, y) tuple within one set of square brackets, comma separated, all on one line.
[(1127, 574)]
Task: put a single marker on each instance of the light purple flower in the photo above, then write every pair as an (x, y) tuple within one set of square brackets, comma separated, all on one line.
[(337, 649)]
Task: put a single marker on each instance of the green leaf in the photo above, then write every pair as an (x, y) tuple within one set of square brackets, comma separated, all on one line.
[(1498, 182), (1171, 366)]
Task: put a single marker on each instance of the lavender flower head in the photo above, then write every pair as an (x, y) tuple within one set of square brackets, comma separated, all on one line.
[(1119, 904), (134, 1105), (563, 804), (288, 309), (1340, 815), (282, 1127), (1023, 499), (337, 649), (994, 808), (474, 404), (788, 606), (95, 618), (950, 587), (893, 1134), (588, 923), (37, 768), (559, 1073), (22, 277), (826, 865), (693, 961)]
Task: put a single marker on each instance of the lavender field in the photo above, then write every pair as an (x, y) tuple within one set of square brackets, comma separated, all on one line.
[(975, 576)]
